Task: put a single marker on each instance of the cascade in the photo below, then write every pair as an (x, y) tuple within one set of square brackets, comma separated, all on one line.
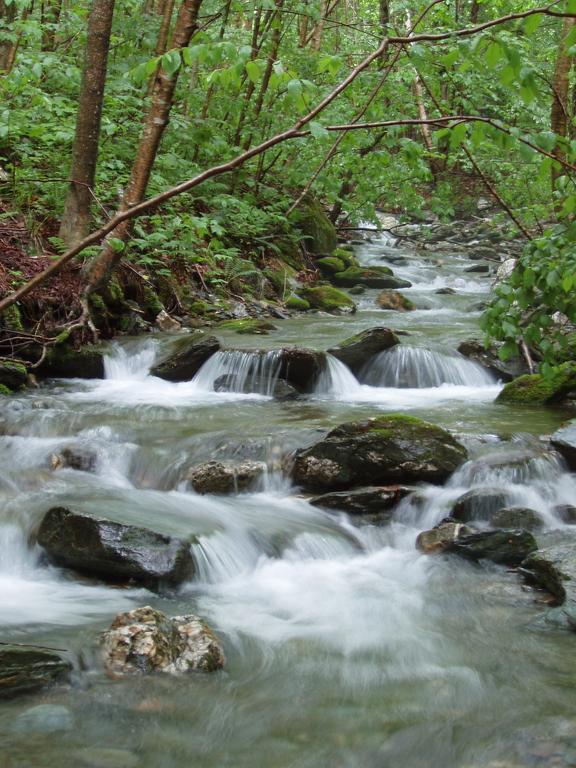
[(238, 371)]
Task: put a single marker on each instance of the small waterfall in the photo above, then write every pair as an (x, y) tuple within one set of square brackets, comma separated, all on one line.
[(336, 379), (123, 363), (407, 367), (242, 372)]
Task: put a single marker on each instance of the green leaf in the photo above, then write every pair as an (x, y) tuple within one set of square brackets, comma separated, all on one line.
[(116, 244), (171, 62), (493, 54), (253, 71), (532, 23), (318, 131)]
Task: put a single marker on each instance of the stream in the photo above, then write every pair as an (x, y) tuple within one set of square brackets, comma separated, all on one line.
[(345, 647)]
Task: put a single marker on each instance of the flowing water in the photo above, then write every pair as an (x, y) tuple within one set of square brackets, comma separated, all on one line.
[(345, 647)]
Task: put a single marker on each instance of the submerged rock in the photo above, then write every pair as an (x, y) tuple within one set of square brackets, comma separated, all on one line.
[(479, 504), (355, 351), (564, 440), (517, 517), (388, 449), (279, 389), (372, 502), (44, 718), (114, 551), (371, 277), (24, 670), (185, 357), (82, 459), (225, 476), (394, 300), (537, 389), (146, 640), (248, 326)]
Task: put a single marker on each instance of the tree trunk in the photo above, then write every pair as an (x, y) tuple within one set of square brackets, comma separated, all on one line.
[(100, 269), (76, 217), (559, 118), (7, 18), (163, 33), (49, 18)]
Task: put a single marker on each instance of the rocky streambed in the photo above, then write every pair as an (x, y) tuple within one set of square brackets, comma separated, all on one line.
[(332, 544)]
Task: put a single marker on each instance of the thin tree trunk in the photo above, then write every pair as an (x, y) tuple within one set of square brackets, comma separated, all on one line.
[(75, 223), (559, 113), (49, 17), (163, 33), (7, 18), (101, 267), (319, 26), (474, 12)]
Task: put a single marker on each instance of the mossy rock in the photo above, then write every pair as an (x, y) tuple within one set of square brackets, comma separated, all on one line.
[(371, 277), (328, 298), (63, 361), (297, 302), (11, 318), (388, 449), (330, 265), (357, 350), (184, 356), (537, 389), (13, 375), (396, 301), (345, 255), (248, 325), (318, 232), (4, 390)]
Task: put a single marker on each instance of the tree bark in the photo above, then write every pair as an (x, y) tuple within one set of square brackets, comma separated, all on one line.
[(7, 18), (163, 33), (100, 269), (559, 115), (75, 223)]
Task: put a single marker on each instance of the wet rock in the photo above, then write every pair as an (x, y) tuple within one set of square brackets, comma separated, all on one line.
[(505, 269), (114, 551), (248, 326), (64, 362), (479, 504), (517, 517), (82, 459), (500, 547), (371, 277), (167, 323), (488, 358), (484, 252), (146, 640), (446, 292), (185, 356), (564, 441), (566, 513), (388, 449), (536, 389), (355, 351), (225, 476), (553, 568), (373, 502), (441, 537), (328, 299), (24, 670), (301, 367), (329, 265), (278, 389), (394, 300), (482, 269), (45, 718), (357, 290)]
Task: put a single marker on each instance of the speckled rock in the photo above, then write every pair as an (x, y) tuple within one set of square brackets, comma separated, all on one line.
[(440, 538), (225, 476), (373, 503), (146, 640)]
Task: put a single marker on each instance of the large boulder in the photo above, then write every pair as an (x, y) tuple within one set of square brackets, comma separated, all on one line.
[(387, 449), (488, 358), (374, 504), (564, 440), (63, 361), (24, 670), (537, 389), (328, 299), (517, 517), (146, 640), (355, 351), (185, 356), (371, 277), (225, 476), (114, 551), (479, 504), (13, 375), (318, 233), (501, 547), (301, 367)]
